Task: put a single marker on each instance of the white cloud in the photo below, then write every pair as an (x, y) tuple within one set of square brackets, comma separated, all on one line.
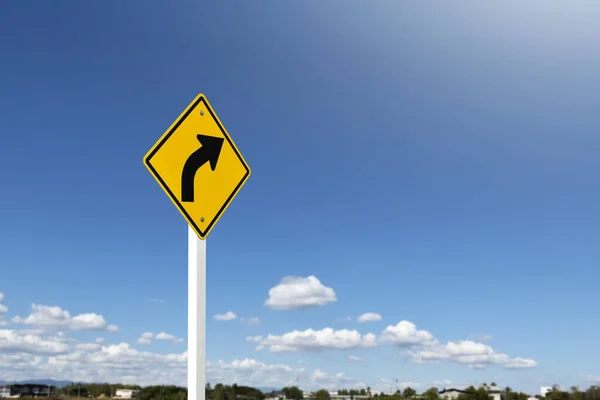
[(421, 345), (157, 301), (405, 333), (297, 293), (94, 362), (369, 317), (424, 348), (344, 319), (518, 362), (39, 352), (148, 337), (14, 341), (315, 340), (324, 380), (55, 317), (29, 354), (35, 332), (228, 316), (473, 354), (169, 337), (88, 346), (21, 363), (251, 320), (113, 362)]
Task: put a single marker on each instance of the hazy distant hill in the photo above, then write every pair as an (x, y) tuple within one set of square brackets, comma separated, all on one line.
[(50, 382)]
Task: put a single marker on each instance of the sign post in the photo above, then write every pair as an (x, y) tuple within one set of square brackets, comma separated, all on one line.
[(196, 316), (201, 170)]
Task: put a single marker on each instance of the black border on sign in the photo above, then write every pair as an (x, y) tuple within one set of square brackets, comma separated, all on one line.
[(147, 160)]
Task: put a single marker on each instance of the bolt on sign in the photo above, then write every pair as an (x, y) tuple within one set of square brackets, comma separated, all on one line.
[(198, 166)]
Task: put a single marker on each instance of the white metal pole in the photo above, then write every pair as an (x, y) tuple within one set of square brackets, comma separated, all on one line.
[(196, 316)]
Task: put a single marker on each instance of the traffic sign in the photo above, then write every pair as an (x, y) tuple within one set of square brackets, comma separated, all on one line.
[(198, 166)]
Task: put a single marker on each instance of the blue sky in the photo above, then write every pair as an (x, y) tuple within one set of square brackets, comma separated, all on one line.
[(436, 164)]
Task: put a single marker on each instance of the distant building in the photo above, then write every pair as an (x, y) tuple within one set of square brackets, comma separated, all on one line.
[(495, 393), (337, 396), (451, 394), (6, 391), (126, 393), (26, 390)]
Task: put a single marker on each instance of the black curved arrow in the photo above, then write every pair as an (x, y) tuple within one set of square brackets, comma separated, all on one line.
[(209, 152)]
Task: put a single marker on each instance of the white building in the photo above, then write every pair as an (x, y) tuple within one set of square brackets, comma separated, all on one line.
[(450, 394), (126, 393), (336, 396), (453, 393), (495, 393)]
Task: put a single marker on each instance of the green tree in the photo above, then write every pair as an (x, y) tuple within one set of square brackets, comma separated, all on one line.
[(593, 393), (471, 393), (181, 395), (522, 396), (431, 394), (233, 392), (322, 395), (218, 393), (163, 392), (576, 394), (250, 392), (408, 392), (557, 394), (293, 392)]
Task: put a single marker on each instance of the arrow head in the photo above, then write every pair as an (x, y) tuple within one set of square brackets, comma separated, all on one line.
[(211, 146)]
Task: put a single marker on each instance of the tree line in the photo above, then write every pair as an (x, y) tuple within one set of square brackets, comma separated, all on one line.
[(470, 393), (234, 392), (97, 390)]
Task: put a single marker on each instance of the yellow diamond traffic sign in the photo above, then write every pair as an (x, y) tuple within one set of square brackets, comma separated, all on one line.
[(198, 166)]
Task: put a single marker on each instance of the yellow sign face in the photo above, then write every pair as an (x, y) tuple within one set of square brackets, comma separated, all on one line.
[(198, 166)]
